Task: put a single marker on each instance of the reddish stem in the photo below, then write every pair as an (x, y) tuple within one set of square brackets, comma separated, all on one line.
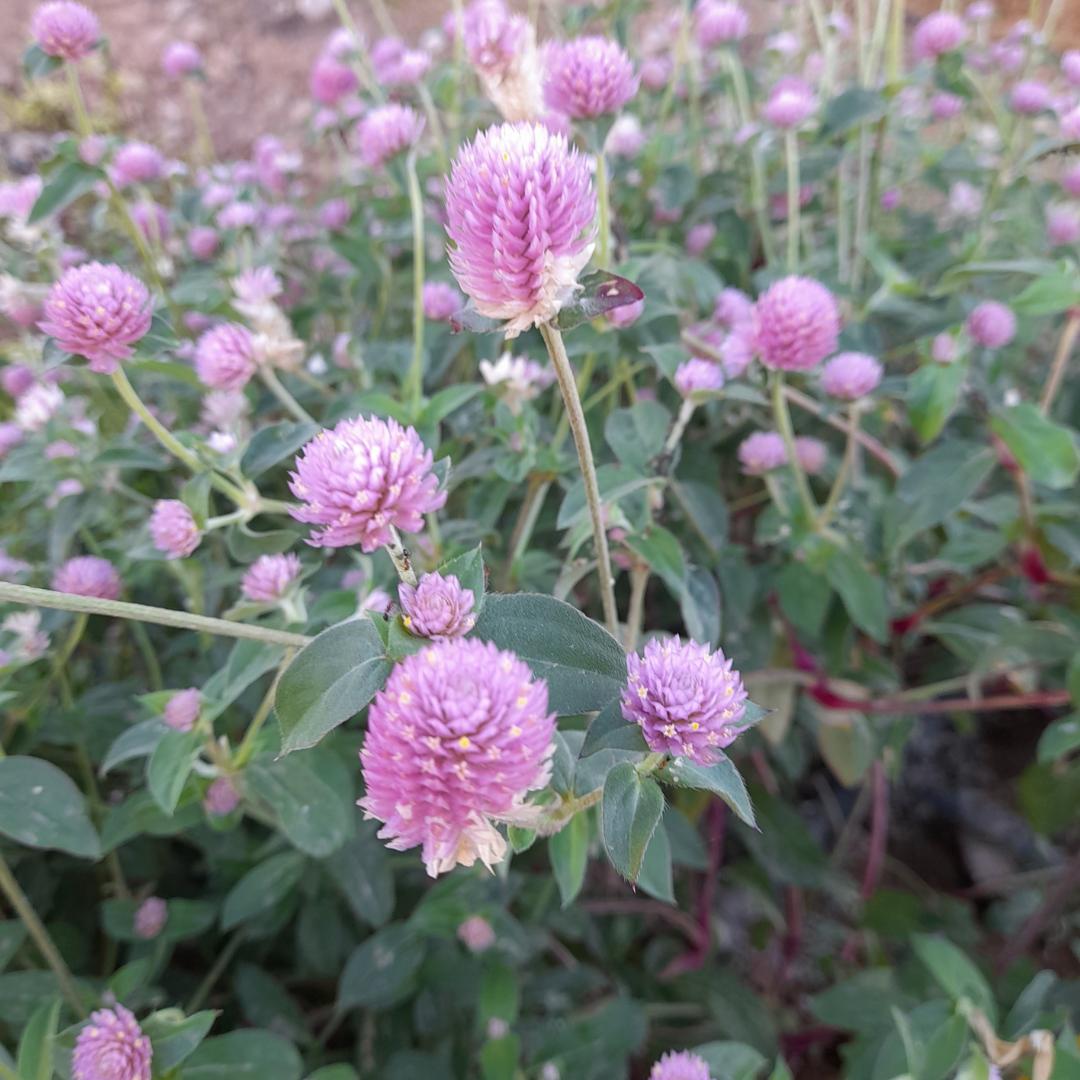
[(1041, 699)]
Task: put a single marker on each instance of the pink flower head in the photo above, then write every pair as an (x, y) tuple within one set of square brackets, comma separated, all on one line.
[(762, 452), (790, 104), (137, 163), (696, 374), (991, 325), (11, 434), (173, 528), (437, 607), (269, 577), (946, 106), (1063, 225), (362, 479), (521, 209), (1030, 96), (238, 215), (733, 307), (202, 242), (1070, 67), (16, 379), (943, 349), (476, 934), (811, 454), (182, 709), (386, 131), (386, 53), (441, 301), (939, 33), (111, 1045), (225, 357), (65, 29), (688, 701), (626, 314), (88, 575), (680, 1065), (17, 197), (588, 77), (151, 219), (737, 349), (699, 237), (334, 214), (98, 311), (656, 72), (180, 58), (1070, 179), (459, 735), (851, 375), (890, 199), (494, 37), (150, 917), (221, 797), (797, 324), (717, 22), (331, 79), (1070, 125), (979, 11)]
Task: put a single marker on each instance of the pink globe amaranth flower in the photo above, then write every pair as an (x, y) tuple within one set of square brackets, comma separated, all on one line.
[(16, 379), (943, 349), (681, 1065), (362, 479), (696, 375), (688, 701), (182, 709), (890, 199), (11, 434), (588, 77), (437, 607), (1070, 67), (98, 311), (494, 37), (334, 214), (979, 11), (173, 528), (939, 33), (137, 163), (762, 452), (17, 197), (150, 918), (238, 215), (269, 577), (1030, 96), (331, 79), (57, 451), (459, 735), (733, 307), (699, 237), (111, 1046), (1070, 179), (386, 53), (476, 934), (386, 131), (656, 73), (626, 137), (221, 797), (225, 357), (737, 349), (441, 301), (202, 242), (811, 454), (946, 106), (1063, 225), (1070, 125), (797, 324), (65, 30), (88, 575), (991, 325), (717, 22), (627, 314), (521, 209), (790, 104), (152, 220), (851, 375), (180, 58)]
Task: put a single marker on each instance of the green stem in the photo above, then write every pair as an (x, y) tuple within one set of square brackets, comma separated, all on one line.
[(247, 746), (204, 142), (1061, 360), (274, 385), (603, 205), (783, 424), (845, 470), (401, 559), (635, 615), (415, 384), (678, 429), (145, 646), (224, 959), (791, 152)]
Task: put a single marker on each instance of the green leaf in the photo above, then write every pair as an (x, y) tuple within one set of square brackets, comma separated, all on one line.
[(663, 552), (361, 871), (35, 1060), (334, 1072), (568, 851), (851, 108), (248, 662), (469, 570), (138, 741), (175, 1039), (699, 603), (68, 183), (139, 814), (611, 731), (1045, 450), (12, 935), (382, 971), (255, 1055), (1060, 738), (41, 807), (1048, 295), (706, 512), (270, 444), (170, 766), (585, 667), (636, 435), (721, 778), (731, 1060), (630, 809), (932, 396), (261, 888), (955, 973), (329, 681), (446, 401), (265, 1003), (36, 62), (614, 481), (186, 919), (656, 876), (862, 593), (597, 292)]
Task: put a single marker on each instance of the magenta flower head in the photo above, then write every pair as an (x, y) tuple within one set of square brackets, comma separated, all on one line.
[(696, 374), (225, 357), (111, 1046), (943, 349), (1030, 96), (1063, 225), (762, 452), (1070, 179), (437, 607), (991, 325), (180, 58), (733, 307), (494, 37), (65, 29), (441, 301), (331, 79), (1070, 125), (150, 918), (946, 106), (182, 709), (137, 163), (386, 131), (221, 797), (457, 738), (811, 454), (202, 242), (521, 209), (269, 577), (699, 237), (173, 528), (790, 104), (362, 479), (680, 1065), (98, 311), (851, 375), (476, 934), (688, 701), (588, 77), (718, 22), (797, 324), (939, 33), (1070, 67), (88, 575), (737, 350)]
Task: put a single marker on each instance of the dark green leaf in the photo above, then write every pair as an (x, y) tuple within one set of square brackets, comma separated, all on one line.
[(361, 871), (261, 888), (1045, 450), (630, 810), (568, 851), (637, 434), (41, 807), (270, 444), (862, 592), (175, 1039), (851, 108), (469, 570), (932, 397), (35, 1060), (1048, 295), (721, 778), (610, 731), (64, 186), (382, 971), (170, 765), (656, 877), (955, 973), (244, 1055)]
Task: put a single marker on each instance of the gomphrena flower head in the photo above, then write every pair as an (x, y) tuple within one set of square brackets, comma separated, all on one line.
[(762, 452), (939, 33), (797, 324), (687, 700), (733, 307), (386, 131), (476, 934), (718, 22), (520, 208), (203, 242), (441, 301), (1070, 66), (991, 325), (111, 1046), (680, 1065), (182, 709), (221, 797), (269, 577), (1030, 96), (811, 454), (225, 357), (697, 374), (851, 375), (137, 163), (65, 29), (494, 36), (331, 79), (99, 311), (790, 104), (180, 58), (88, 575), (150, 917), (1063, 225), (588, 77), (1070, 179), (459, 735), (173, 528), (437, 607), (362, 479), (943, 349)]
